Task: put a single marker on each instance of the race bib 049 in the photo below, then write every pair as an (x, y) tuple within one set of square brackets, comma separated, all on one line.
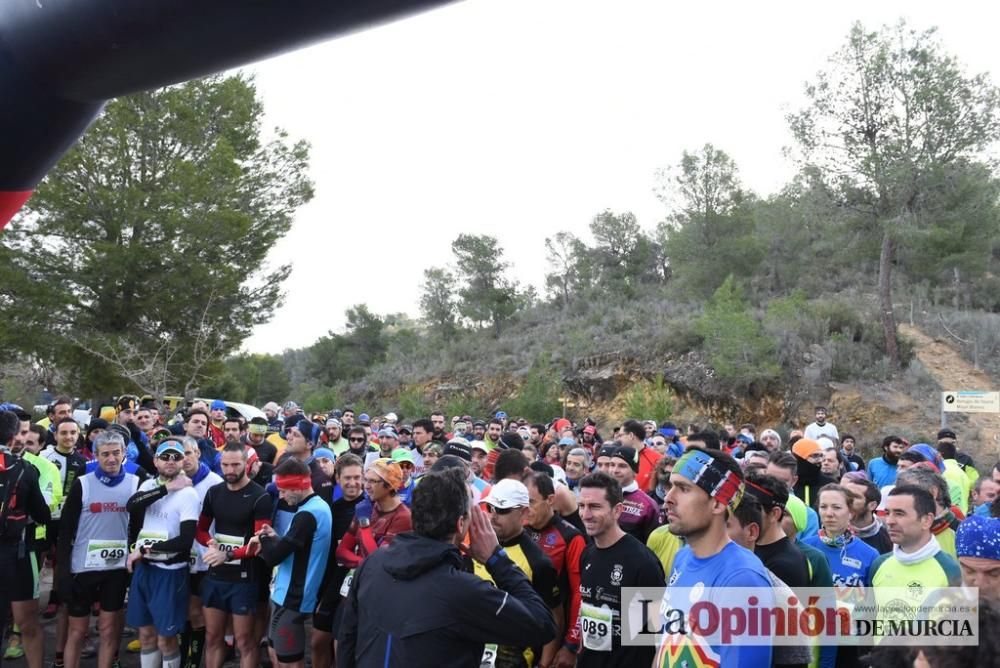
[(106, 554)]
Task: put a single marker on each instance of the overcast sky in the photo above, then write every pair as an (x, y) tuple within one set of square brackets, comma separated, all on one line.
[(521, 118)]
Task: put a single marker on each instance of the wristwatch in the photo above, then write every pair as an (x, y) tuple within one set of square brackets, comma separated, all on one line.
[(497, 553), (364, 522)]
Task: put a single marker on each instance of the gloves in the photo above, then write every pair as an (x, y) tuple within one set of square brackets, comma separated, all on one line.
[(364, 509)]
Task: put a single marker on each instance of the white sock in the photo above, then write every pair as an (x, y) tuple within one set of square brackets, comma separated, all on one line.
[(150, 658), (172, 661), (230, 640)]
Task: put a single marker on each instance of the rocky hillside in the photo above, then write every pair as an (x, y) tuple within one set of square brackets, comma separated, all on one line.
[(908, 404)]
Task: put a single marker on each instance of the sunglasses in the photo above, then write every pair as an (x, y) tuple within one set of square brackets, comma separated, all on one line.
[(500, 511), (170, 457), (356, 440)]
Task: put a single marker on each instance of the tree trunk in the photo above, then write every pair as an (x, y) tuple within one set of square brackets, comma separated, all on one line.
[(885, 298)]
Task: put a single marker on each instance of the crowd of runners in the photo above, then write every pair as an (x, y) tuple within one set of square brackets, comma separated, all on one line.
[(354, 540)]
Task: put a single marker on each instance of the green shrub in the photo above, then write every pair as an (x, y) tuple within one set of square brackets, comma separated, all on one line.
[(412, 403), (318, 399), (464, 404), (650, 400), (736, 345), (537, 400)]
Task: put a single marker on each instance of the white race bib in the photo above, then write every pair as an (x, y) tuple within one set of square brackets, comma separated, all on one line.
[(489, 659), (147, 538), (228, 544), (596, 626), (106, 554)]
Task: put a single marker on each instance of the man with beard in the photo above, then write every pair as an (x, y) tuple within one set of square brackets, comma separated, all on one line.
[(847, 449), (771, 440), (162, 525), (536, 434), (882, 470), (821, 427), (357, 443), (273, 421), (809, 457), (439, 435), (494, 429), (335, 436), (233, 511), (478, 430)]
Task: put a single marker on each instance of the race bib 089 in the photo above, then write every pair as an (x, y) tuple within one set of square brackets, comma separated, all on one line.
[(596, 627)]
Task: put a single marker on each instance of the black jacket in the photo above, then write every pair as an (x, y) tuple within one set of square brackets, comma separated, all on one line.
[(412, 605), (20, 498), (811, 480)]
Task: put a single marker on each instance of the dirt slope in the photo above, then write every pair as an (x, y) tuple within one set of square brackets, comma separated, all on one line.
[(953, 372)]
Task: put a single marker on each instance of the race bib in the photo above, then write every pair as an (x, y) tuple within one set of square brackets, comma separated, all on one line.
[(106, 554), (345, 588), (489, 659), (596, 626), (228, 544), (148, 538)]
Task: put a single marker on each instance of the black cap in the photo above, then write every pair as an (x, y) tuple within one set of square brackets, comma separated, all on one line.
[(448, 462), (458, 447), (946, 433), (512, 440), (630, 456), (607, 450)]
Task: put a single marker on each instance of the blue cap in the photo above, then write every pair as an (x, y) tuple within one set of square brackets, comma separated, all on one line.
[(364, 418), (169, 444), (567, 441), (501, 415), (326, 453), (218, 405), (978, 536)]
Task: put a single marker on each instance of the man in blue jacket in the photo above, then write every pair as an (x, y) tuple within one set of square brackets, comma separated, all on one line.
[(441, 614)]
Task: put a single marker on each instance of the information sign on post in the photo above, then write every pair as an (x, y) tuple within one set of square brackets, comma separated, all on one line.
[(970, 401)]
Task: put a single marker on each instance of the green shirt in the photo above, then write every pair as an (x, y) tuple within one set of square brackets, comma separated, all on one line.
[(49, 481)]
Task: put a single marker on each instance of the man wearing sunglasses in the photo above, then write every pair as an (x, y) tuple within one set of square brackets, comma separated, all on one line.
[(509, 504), (162, 524), (357, 443)]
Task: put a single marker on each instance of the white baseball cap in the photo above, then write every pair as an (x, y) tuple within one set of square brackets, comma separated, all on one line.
[(508, 493)]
